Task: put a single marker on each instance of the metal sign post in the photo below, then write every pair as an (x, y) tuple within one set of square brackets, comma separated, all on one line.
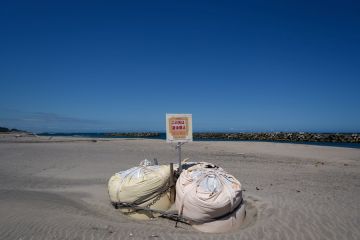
[(178, 147), (179, 131)]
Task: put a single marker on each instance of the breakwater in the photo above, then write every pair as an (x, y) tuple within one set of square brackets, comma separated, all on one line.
[(133, 134), (283, 136), (268, 136)]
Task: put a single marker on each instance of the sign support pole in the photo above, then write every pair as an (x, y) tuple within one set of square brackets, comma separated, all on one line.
[(178, 148)]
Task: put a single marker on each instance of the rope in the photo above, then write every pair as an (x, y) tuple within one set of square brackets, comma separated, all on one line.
[(164, 214)]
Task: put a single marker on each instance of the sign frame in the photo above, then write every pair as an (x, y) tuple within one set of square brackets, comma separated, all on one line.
[(183, 124)]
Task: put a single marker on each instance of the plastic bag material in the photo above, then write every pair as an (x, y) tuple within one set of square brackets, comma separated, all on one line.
[(145, 186), (227, 223), (209, 196), (147, 162)]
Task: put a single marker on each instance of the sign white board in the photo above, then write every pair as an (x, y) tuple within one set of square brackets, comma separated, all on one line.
[(179, 128)]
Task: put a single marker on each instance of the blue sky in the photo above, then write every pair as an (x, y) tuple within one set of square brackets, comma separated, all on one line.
[(235, 65)]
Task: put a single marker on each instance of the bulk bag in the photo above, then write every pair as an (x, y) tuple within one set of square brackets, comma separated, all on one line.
[(144, 186), (210, 198)]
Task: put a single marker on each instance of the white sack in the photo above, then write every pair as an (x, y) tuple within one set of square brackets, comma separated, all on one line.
[(228, 223), (206, 193)]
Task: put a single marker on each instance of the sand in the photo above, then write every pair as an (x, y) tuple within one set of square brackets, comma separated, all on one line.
[(57, 188)]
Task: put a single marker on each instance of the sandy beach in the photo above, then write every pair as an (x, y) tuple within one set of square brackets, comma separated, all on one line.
[(57, 188)]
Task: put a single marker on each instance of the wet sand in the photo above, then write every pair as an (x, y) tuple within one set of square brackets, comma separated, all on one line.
[(57, 188)]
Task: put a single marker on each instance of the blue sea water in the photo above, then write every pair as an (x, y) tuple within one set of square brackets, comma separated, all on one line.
[(163, 137)]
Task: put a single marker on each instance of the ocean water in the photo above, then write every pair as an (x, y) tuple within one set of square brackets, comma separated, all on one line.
[(163, 137)]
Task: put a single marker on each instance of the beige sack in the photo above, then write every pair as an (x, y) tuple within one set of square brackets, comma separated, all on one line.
[(206, 193), (225, 224), (142, 186)]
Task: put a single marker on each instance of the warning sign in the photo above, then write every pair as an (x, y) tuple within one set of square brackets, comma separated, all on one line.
[(179, 127)]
